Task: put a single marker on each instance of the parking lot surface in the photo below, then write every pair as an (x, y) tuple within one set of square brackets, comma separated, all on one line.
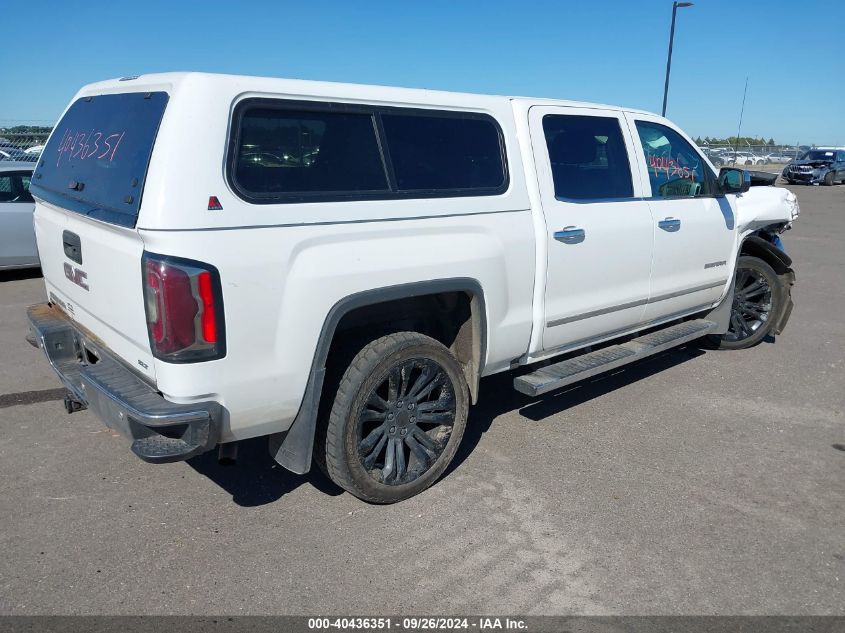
[(696, 482)]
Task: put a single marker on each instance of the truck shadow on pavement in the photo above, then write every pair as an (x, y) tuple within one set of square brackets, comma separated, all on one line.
[(257, 480), (498, 396)]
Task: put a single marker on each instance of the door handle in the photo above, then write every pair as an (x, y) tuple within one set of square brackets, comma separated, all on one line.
[(570, 235), (670, 224)]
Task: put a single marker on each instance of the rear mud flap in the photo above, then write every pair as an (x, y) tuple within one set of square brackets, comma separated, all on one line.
[(293, 448)]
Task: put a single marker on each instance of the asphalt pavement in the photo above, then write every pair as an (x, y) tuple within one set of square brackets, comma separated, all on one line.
[(695, 482)]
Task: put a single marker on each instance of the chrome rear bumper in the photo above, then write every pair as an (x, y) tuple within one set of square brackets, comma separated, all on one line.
[(159, 430)]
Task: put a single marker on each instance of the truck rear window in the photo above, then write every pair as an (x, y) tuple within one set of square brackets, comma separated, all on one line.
[(96, 159)]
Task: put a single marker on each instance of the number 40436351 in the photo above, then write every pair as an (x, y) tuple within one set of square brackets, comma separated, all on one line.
[(89, 145)]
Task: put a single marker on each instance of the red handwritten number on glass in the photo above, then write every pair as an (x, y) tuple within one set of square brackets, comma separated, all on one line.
[(85, 145), (670, 167)]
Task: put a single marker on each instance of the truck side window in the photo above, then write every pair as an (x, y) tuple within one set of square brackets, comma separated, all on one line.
[(288, 152), (331, 152), (588, 157), (675, 169), (444, 152)]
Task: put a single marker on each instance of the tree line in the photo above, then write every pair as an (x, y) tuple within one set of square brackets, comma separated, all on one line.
[(734, 140), (23, 135)]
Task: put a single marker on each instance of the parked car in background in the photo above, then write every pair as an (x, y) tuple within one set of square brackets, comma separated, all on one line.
[(723, 154), (715, 156), (780, 157), (817, 166), (17, 237), (745, 158), (10, 152)]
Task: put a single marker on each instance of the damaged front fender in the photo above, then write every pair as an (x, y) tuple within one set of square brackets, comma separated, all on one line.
[(764, 207)]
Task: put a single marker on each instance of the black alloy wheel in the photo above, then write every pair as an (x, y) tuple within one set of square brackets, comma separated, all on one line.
[(757, 302), (406, 421), (752, 304), (397, 418)]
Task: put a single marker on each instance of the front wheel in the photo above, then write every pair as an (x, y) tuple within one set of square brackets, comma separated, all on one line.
[(758, 300), (397, 418), (828, 179)]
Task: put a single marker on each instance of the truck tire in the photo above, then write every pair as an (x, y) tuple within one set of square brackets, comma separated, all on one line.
[(397, 418), (757, 304)]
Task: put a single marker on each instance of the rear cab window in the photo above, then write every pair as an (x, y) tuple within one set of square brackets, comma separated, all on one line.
[(96, 160), (308, 152)]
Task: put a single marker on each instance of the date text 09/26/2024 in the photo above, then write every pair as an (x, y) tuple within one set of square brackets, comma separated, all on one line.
[(417, 624)]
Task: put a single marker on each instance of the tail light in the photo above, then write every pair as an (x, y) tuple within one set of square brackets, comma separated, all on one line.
[(184, 306)]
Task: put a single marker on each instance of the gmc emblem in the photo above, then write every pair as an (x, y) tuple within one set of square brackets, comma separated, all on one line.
[(76, 275)]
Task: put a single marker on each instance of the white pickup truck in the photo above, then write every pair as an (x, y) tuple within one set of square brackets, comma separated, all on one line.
[(336, 266)]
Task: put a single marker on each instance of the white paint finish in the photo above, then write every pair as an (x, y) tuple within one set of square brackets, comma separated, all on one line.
[(707, 235), (197, 121), (278, 291), (113, 305), (610, 267)]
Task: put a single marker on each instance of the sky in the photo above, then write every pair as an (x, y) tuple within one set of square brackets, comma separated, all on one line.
[(605, 51)]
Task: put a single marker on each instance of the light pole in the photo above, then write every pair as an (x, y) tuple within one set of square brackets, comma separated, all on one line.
[(675, 6)]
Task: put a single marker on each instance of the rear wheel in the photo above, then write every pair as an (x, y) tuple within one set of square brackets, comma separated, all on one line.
[(397, 419), (758, 300)]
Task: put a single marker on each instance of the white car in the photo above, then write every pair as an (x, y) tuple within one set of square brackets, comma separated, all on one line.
[(17, 237), (744, 159), (346, 300)]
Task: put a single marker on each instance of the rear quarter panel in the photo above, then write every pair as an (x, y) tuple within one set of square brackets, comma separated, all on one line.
[(279, 284)]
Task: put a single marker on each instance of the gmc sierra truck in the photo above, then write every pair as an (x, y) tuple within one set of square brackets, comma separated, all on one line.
[(336, 266)]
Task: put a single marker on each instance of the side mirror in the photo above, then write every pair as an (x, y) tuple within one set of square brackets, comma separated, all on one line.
[(733, 180)]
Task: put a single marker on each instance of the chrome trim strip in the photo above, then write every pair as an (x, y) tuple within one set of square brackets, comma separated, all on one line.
[(594, 200), (570, 347), (332, 222), (688, 291), (634, 304), (637, 198), (587, 315)]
